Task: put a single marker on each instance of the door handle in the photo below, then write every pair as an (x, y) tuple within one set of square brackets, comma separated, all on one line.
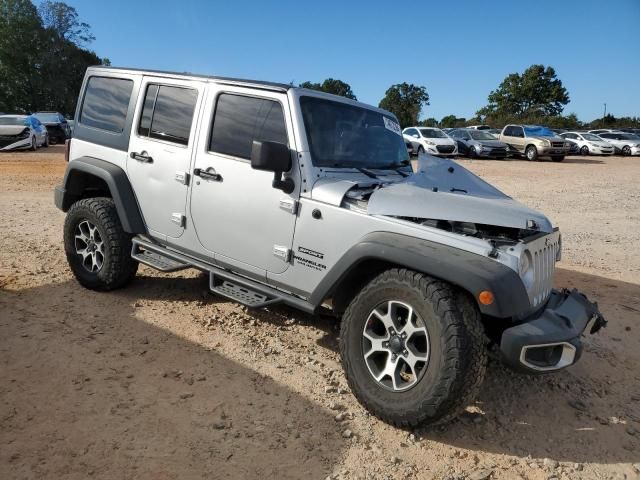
[(141, 157), (208, 174)]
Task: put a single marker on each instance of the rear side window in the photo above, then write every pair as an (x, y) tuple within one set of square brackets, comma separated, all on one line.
[(167, 113), (240, 120), (105, 105)]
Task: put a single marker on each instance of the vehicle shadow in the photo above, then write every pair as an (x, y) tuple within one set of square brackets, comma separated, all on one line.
[(586, 413), (591, 160), (89, 388)]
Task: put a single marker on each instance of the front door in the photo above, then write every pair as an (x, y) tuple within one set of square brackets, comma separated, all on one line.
[(236, 212), (160, 149)]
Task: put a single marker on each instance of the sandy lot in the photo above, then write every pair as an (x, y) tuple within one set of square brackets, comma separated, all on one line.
[(164, 381)]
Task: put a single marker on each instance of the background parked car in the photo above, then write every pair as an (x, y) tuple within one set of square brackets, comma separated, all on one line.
[(430, 140), (479, 127), (534, 141), (478, 143), (494, 131), (56, 124), (604, 130), (22, 132), (588, 143), (624, 143)]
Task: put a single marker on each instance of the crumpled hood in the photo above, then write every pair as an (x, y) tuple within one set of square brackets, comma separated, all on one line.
[(11, 129), (443, 190)]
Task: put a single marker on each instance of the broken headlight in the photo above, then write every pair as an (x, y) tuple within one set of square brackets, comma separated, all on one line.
[(525, 269)]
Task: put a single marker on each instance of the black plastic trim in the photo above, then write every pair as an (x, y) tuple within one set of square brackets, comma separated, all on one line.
[(74, 184), (563, 319), (474, 273)]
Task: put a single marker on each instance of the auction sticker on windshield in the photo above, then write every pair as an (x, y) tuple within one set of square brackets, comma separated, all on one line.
[(391, 125)]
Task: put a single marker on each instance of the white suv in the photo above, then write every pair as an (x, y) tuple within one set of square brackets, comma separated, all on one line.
[(430, 140)]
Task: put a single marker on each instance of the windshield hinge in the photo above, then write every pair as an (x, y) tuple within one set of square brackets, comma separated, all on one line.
[(289, 204)]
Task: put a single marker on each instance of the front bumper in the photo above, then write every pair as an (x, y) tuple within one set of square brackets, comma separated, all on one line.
[(553, 151), (18, 144), (551, 340)]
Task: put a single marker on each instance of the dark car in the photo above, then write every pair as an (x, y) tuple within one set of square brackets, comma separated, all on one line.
[(478, 143), (56, 124)]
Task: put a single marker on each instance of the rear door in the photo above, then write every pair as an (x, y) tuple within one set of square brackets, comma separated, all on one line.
[(162, 138)]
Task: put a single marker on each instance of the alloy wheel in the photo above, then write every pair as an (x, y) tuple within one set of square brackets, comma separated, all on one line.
[(90, 246), (395, 345)]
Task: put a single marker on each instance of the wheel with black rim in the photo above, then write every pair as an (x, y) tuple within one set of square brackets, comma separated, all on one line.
[(531, 153), (626, 150), (472, 152), (98, 249), (584, 150), (413, 348)]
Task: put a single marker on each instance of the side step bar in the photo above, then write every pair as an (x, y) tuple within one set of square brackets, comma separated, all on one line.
[(222, 282)]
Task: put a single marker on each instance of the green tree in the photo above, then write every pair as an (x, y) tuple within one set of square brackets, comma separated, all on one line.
[(535, 92), (41, 62), (63, 20), (405, 101), (451, 121), (428, 122), (331, 85)]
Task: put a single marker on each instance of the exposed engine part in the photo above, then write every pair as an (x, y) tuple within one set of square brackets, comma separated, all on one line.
[(500, 235)]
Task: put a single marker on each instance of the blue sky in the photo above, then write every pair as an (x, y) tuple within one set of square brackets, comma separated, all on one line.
[(459, 50)]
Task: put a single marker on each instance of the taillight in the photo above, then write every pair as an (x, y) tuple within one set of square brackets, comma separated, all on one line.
[(67, 146)]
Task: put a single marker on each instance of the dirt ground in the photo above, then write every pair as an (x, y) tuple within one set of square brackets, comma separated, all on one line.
[(162, 380)]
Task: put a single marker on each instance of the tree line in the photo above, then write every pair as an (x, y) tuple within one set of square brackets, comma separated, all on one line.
[(43, 56), (536, 96)]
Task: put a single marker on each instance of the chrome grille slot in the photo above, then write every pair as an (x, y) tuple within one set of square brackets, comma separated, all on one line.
[(543, 252)]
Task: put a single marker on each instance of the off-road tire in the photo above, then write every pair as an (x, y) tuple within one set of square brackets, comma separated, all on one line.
[(457, 354), (118, 267), (531, 153), (557, 158)]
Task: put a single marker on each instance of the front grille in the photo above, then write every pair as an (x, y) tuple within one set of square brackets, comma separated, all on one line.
[(6, 140), (445, 148), (544, 252), (557, 144)]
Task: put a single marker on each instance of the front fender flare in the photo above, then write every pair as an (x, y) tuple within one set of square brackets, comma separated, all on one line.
[(471, 272)]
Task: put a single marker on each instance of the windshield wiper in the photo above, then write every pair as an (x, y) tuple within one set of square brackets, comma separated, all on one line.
[(368, 173)]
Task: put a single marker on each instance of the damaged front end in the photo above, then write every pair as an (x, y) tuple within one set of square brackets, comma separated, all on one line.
[(442, 197)]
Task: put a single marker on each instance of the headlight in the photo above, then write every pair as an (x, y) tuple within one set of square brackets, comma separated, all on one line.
[(429, 142), (479, 147), (525, 269), (26, 133), (594, 144), (546, 143)]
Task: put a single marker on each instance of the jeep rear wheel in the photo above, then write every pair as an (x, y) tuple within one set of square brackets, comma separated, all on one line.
[(413, 348), (98, 249)]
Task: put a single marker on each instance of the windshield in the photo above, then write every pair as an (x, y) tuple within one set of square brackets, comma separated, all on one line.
[(432, 133), (342, 135), (538, 132), (591, 136), (481, 135), (47, 117), (14, 121), (628, 136)]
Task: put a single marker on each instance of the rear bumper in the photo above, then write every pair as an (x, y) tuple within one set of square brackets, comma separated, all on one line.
[(551, 340)]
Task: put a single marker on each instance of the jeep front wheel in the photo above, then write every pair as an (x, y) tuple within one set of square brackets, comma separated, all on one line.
[(413, 348), (98, 249)]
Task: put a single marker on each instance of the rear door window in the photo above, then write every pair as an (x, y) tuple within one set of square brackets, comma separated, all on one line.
[(105, 105), (167, 113), (239, 120)]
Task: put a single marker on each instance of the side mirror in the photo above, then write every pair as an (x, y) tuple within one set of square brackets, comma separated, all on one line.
[(273, 157)]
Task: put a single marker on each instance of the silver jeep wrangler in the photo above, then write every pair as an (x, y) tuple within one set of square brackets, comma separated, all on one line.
[(291, 196)]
